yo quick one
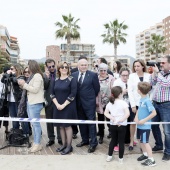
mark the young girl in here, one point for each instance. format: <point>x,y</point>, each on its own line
<point>118,115</point>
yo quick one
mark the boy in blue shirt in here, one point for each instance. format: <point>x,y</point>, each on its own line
<point>145,113</point>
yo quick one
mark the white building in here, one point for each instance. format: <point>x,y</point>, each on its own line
<point>9,45</point>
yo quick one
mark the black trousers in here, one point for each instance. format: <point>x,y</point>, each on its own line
<point>118,137</point>
<point>4,112</point>
<point>127,136</point>
<point>50,126</point>
<point>87,130</point>
<point>75,129</point>
<point>101,127</point>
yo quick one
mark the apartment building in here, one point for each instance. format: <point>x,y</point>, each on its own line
<point>163,29</point>
<point>9,45</point>
<point>53,52</point>
<point>166,23</point>
<point>78,49</point>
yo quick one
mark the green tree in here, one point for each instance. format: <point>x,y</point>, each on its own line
<point>156,45</point>
<point>3,61</point>
<point>68,30</point>
<point>42,67</point>
<point>114,34</point>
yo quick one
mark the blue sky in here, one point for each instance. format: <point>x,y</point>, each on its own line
<point>33,21</point>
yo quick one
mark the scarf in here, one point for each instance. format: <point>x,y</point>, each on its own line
<point>22,107</point>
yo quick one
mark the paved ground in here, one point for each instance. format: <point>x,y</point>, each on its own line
<point>75,162</point>
<point>48,159</point>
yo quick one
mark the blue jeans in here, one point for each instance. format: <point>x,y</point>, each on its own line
<point>163,115</point>
<point>13,110</point>
<point>34,112</point>
<point>13,113</point>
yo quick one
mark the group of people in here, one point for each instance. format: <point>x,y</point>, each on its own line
<point>122,96</point>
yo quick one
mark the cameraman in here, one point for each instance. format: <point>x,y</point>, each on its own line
<point>13,91</point>
<point>4,112</point>
<point>161,102</point>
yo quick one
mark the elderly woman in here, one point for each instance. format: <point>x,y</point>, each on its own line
<point>34,88</point>
<point>106,82</point>
<point>139,74</point>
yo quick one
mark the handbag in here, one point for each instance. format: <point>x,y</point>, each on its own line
<point>22,107</point>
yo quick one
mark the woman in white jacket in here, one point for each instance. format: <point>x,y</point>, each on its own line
<point>139,74</point>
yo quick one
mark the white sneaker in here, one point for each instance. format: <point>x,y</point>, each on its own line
<point>36,148</point>
<point>121,161</point>
<point>109,158</point>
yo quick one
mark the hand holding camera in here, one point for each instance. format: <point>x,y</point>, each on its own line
<point>21,82</point>
<point>155,69</point>
<point>155,66</point>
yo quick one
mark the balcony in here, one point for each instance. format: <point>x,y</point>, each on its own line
<point>153,57</point>
<point>4,34</point>
<point>147,35</point>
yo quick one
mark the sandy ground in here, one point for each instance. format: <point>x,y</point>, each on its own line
<point>75,162</point>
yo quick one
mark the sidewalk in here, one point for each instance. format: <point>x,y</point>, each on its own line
<point>75,162</point>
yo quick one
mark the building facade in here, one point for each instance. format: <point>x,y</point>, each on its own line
<point>163,29</point>
<point>53,52</point>
<point>76,50</point>
<point>166,23</point>
<point>9,45</point>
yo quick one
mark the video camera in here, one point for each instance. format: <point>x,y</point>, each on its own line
<point>152,63</point>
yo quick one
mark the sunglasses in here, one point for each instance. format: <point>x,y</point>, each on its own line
<point>51,66</point>
<point>62,67</point>
<point>26,72</point>
<point>125,75</point>
<point>103,70</point>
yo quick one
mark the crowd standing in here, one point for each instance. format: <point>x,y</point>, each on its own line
<point>120,96</point>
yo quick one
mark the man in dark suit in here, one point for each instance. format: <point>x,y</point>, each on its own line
<point>88,89</point>
<point>49,78</point>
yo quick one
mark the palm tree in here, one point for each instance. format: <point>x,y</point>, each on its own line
<point>68,30</point>
<point>156,45</point>
<point>114,34</point>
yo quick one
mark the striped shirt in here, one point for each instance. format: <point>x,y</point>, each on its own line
<point>161,83</point>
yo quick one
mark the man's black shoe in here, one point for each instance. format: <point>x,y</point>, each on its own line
<point>60,142</point>
<point>156,148</point>
<point>51,142</point>
<point>109,135</point>
<point>91,149</point>
<point>74,136</point>
<point>82,144</point>
<point>101,140</point>
<point>166,157</point>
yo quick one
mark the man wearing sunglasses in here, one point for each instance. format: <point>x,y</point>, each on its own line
<point>49,78</point>
<point>161,102</point>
